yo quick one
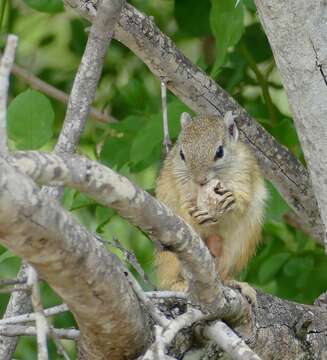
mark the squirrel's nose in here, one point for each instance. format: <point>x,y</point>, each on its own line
<point>202,180</point>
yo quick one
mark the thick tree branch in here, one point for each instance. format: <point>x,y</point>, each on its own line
<point>297,33</point>
<point>203,95</point>
<point>76,265</point>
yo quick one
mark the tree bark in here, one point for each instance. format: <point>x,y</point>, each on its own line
<point>76,265</point>
<point>297,33</point>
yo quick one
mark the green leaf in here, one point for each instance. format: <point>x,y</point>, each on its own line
<point>277,206</point>
<point>115,151</point>
<point>271,267</point>
<point>132,97</point>
<point>285,132</point>
<point>146,140</point>
<point>30,120</point>
<point>299,264</point>
<point>78,36</point>
<point>226,22</point>
<point>6,255</point>
<point>103,216</point>
<point>81,201</point>
<point>250,5</point>
<point>67,198</point>
<point>192,16</point>
<point>149,137</point>
<point>132,124</point>
<point>257,43</point>
<point>48,6</point>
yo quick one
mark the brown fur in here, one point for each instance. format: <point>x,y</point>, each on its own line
<point>179,182</point>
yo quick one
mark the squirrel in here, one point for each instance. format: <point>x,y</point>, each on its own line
<point>208,158</point>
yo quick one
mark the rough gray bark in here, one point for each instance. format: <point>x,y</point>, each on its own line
<point>297,33</point>
<point>78,267</point>
<point>280,330</point>
<point>203,95</point>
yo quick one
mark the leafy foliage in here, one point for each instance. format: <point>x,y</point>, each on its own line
<point>30,120</point>
<point>227,26</point>
<point>48,6</point>
<point>228,43</point>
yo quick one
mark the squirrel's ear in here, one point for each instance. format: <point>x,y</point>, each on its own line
<point>185,119</point>
<point>231,126</point>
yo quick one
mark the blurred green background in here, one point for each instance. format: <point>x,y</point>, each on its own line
<point>225,41</point>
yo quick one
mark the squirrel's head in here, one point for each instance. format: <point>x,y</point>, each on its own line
<point>205,146</point>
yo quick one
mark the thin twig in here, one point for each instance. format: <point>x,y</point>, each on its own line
<point>60,349</point>
<point>20,330</point>
<point>42,327</point>
<point>166,294</point>
<point>16,281</point>
<point>227,340</point>
<point>132,260</point>
<point>157,316</point>
<point>5,68</point>
<point>14,288</point>
<point>59,95</point>
<point>19,303</point>
<point>186,319</point>
<point>166,141</point>
<point>31,316</point>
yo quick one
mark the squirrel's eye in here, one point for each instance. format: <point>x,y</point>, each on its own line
<point>182,155</point>
<point>219,153</point>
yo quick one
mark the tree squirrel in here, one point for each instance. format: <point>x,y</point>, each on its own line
<point>212,180</point>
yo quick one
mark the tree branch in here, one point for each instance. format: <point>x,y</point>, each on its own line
<point>31,316</point>
<point>5,68</point>
<point>299,48</point>
<point>88,75</point>
<point>90,279</point>
<point>20,330</point>
<point>229,341</point>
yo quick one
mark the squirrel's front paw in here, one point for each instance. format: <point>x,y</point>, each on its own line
<point>226,200</point>
<point>216,199</point>
<point>201,216</point>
